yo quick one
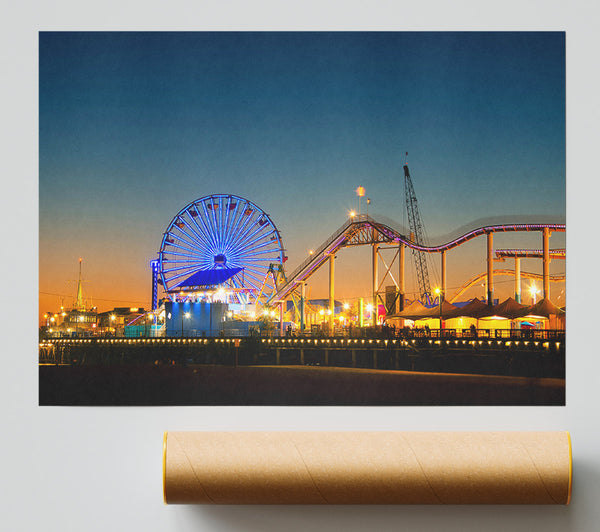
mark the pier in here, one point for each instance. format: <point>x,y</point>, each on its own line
<point>440,369</point>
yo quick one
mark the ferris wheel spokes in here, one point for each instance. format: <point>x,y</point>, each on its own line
<point>208,237</point>
<point>242,232</point>
<point>201,236</point>
<point>249,243</point>
<point>219,232</point>
<point>190,241</point>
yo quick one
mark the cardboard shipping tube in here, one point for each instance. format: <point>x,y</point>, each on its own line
<point>367,467</point>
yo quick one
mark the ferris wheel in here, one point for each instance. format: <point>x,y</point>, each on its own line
<point>223,240</point>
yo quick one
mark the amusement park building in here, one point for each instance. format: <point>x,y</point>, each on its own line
<point>72,322</point>
<point>114,321</point>
<point>81,320</point>
<point>199,318</point>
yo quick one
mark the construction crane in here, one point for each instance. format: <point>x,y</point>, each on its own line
<point>416,235</point>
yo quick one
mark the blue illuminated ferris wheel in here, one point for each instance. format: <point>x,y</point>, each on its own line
<point>219,240</point>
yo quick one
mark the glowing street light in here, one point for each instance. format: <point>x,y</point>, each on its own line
<point>221,295</point>
<point>534,292</point>
<point>360,192</point>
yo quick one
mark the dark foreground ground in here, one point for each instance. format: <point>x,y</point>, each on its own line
<point>285,385</point>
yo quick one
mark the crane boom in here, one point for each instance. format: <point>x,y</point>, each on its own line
<point>416,228</point>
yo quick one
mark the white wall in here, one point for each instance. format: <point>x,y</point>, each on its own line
<point>99,469</point>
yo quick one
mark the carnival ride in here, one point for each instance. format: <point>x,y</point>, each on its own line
<point>365,230</point>
<point>220,240</point>
<point>225,248</point>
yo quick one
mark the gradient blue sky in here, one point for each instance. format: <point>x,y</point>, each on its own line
<point>134,126</point>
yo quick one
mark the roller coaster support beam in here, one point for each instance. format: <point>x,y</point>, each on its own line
<point>443,292</point>
<point>361,312</point>
<point>281,328</point>
<point>518,279</point>
<point>331,293</point>
<point>546,259</point>
<point>302,298</point>
<point>401,285</point>
<point>490,268</point>
<point>375,283</point>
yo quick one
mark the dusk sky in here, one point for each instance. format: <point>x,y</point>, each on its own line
<point>134,126</point>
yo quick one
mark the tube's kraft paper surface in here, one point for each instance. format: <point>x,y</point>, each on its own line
<point>367,467</point>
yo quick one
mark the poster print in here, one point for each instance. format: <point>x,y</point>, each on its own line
<point>302,218</point>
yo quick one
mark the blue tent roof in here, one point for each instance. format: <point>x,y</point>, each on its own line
<point>208,277</point>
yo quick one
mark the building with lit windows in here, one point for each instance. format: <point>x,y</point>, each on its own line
<point>80,320</point>
<point>113,322</point>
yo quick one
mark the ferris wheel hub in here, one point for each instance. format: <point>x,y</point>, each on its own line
<point>220,260</point>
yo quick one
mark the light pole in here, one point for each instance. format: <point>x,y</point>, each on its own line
<point>440,299</point>
<point>187,315</point>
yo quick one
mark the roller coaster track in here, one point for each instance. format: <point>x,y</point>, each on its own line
<point>526,275</point>
<point>364,229</point>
